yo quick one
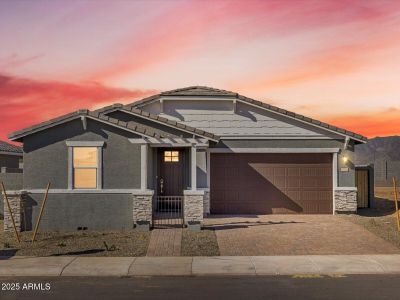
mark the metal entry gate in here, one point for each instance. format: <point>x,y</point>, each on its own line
<point>168,211</point>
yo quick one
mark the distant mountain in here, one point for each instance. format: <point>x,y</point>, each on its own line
<point>379,148</point>
<point>384,154</point>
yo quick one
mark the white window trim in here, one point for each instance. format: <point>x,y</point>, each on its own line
<point>99,174</point>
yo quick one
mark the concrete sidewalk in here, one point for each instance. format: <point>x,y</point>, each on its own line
<point>199,266</point>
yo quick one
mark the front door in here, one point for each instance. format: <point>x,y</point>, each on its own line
<point>168,206</point>
<point>170,180</point>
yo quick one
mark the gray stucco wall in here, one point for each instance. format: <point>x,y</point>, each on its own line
<point>9,161</point>
<point>201,168</point>
<point>346,170</point>
<point>46,155</point>
<point>151,167</point>
<point>70,211</point>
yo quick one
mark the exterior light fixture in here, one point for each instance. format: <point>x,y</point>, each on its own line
<point>345,159</point>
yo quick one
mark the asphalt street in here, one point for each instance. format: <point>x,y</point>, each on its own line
<point>297,287</point>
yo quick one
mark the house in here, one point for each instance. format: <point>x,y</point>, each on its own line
<point>10,158</point>
<point>195,151</point>
<point>10,168</point>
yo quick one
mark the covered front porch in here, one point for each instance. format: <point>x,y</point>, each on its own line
<point>174,185</point>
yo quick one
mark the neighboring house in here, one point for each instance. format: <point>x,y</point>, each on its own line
<point>208,150</point>
<point>10,168</point>
<point>10,158</point>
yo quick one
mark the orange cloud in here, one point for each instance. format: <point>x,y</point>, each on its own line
<point>193,27</point>
<point>383,123</point>
<point>24,102</point>
<point>327,63</point>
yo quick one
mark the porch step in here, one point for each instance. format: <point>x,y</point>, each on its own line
<point>165,242</point>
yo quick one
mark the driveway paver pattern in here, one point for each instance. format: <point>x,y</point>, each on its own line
<point>294,235</point>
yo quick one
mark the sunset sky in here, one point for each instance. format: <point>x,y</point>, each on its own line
<point>336,61</point>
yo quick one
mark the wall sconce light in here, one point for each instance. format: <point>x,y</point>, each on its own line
<point>345,159</point>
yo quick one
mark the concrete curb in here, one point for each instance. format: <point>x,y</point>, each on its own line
<point>200,266</point>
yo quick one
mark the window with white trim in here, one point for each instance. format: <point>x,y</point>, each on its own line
<point>85,167</point>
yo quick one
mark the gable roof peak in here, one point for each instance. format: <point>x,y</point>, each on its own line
<point>198,90</point>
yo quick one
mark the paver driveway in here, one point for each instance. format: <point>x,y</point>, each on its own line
<point>294,235</point>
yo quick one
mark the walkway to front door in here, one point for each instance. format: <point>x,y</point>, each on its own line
<point>165,242</point>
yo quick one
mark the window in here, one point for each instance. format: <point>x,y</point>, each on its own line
<point>84,167</point>
<point>171,156</point>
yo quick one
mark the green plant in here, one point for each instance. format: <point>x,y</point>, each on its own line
<point>61,244</point>
<point>7,245</point>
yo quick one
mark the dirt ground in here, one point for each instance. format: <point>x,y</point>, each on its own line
<point>384,199</point>
<point>82,243</point>
<point>381,220</point>
<point>383,226</point>
<point>101,243</point>
<point>203,243</point>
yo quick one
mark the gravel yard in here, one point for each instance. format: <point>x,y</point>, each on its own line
<point>82,243</point>
<point>199,243</point>
<point>383,226</point>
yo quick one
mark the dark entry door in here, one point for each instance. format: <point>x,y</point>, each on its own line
<point>362,188</point>
<point>170,181</point>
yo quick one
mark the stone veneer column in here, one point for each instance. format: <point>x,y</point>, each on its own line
<point>16,200</point>
<point>345,200</point>
<point>193,208</point>
<point>143,209</point>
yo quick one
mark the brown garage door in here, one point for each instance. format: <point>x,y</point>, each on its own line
<point>271,183</point>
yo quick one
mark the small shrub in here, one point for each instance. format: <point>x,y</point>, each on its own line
<point>7,245</point>
<point>61,244</point>
<point>110,248</point>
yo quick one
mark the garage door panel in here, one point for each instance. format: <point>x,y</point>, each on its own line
<point>271,183</point>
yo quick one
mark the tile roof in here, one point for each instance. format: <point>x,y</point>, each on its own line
<point>130,126</point>
<point>172,123</point>
<point>208,91</point>
<point>187,91</point>
<point>6,147</point>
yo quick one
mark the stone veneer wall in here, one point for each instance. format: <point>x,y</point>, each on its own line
<point>345,201</point>
<point>143,208</point>
<point>206,203</point>
<point>193,206</point>
<point>16,203</point>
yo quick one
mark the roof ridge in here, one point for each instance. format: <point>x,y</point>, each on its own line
<point>264,105</point>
